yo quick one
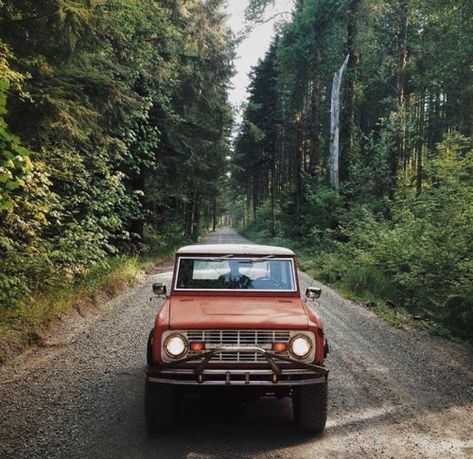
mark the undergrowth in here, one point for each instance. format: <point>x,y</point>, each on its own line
<point>24,324</point>
<point>365,284</point>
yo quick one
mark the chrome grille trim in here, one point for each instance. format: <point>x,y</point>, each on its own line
<point>240,338</point>
<point>219,338</point>
<point>261,338</point>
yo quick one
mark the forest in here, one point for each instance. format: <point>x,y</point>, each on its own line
<point>117,143</point>
<point>114,127</point>
<point>398,232</point>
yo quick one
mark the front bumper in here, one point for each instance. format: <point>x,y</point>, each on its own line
<point>281,371</point>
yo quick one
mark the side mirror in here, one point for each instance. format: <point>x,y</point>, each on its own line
<point>313,292</point>
<point>159,289</point>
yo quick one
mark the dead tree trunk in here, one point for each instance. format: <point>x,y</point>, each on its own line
<point>335,126</point>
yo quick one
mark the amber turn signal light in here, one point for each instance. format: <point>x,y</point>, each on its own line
<point>198,346</point>
<point>279,347</point>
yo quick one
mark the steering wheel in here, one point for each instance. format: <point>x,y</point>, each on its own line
<point>269,281</point>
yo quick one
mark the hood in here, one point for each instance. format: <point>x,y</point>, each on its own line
<point>202,312</point>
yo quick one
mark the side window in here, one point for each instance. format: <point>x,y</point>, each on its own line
<point>185,273</point>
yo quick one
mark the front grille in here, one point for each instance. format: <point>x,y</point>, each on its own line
<point>229,338</point>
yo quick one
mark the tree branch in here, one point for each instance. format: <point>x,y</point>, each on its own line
<point>274,16</point>
<point>30,18</point>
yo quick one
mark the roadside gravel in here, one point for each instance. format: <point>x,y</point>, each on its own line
<point>393,393</point>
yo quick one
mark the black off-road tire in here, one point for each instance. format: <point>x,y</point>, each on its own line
<point>160,407</point>
<point>149,351</point>
<point>310,407</point>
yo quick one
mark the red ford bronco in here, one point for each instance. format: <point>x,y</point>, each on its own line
<point>235,319</point>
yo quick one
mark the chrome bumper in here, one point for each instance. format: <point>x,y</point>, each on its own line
<point>282,371</point>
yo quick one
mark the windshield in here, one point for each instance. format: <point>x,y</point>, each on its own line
<point>264,274</point>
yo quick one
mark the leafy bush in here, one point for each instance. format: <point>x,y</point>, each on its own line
<point>416,253</point>
<point>425,249</point>
<point>25,199</point>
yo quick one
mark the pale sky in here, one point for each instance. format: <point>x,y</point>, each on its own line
<point>255,45</point>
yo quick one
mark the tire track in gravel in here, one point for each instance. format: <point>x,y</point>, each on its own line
<point>392,393</point>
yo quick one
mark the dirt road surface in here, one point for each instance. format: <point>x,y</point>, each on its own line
<point>393,393</point>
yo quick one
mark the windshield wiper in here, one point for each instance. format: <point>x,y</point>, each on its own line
<point>252,260</point>
<point>222,258</point>
<point>245,260</point>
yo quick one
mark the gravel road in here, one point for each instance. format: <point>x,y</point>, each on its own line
<point>393,393</point>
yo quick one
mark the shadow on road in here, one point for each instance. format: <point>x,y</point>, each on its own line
<point>207,426</point>
<point>211,425</point>
<point>214,426</point>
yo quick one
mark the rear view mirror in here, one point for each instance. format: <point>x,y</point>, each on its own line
<point>159,289</point>
<point>313,292</point>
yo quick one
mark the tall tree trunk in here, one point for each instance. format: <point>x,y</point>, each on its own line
<point>285,171</point>
<point>214,214</point>
<point>398,152</point>
<point>254,188</point>
<point>249,204</point>
<point>335,126</point>
<point>189,223</point>
<point>315,119</point>
<point>255,197</point>
<point>420,143</point>
<point>272,193</point>
<point>433,120</point>
<point>348,125</point>
<point>278,162</point>
<point>298,164</point>
<point>196,214</point>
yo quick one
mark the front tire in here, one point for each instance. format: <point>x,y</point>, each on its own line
<point>160,407</point>
<point>149,349</point>
<point>310,407</point>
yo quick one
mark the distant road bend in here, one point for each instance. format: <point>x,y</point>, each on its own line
<point>393,393</point>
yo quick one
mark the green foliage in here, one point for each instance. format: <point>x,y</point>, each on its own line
<point>25,324</point>
<point>421,257</point>
<point>256,9</point>
<point>400,227</point>
<point>25,200</point>
<point>113,117</point>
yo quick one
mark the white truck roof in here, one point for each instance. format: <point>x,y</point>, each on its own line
<point>234,249</point>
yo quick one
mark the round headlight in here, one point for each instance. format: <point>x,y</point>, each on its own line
<point>300,346</point>
<point>175,346</point>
